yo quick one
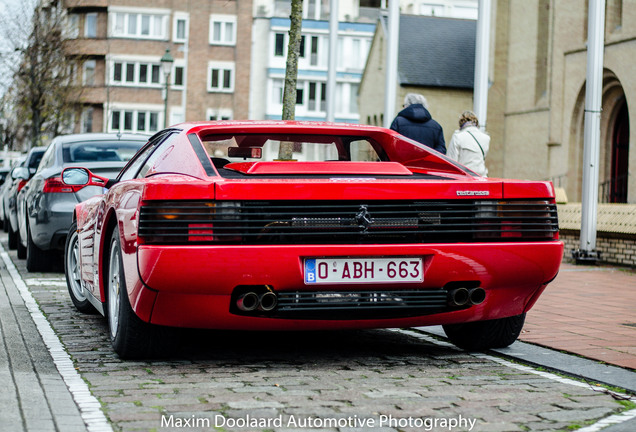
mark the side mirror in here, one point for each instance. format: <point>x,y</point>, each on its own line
<point>74,176</point>
<point>21,173</point>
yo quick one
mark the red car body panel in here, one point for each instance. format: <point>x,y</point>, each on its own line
<point>212,274</point>
<point>191,285</point>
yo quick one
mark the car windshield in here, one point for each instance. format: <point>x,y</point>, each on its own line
<point>102,151</point>
<point>257,147</point>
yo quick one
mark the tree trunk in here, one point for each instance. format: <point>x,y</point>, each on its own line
<point>285,152</point>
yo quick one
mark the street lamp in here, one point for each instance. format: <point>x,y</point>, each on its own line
<point>166,67</point>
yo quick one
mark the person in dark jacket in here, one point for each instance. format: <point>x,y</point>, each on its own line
<point>415,122</point>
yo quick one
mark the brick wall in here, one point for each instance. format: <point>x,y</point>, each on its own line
<point>619,250</point>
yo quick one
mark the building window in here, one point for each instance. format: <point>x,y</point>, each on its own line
<point>180,28</point>
<point>143,73</point>
<point>141,121</point>
<point>278,86</point>
<point>222,29</point>
<point>117,72</point>
<point>177,75</point>
<point>317,97</point>
<point>279,44</point>
<point>316,9</point>
<point>139,25</point>
<point>219,114</point>
<point>301,50</point>
<point>133,120</point>
<point>353,98</point>
<point>313,58</point>
<point>88,75</point>
<point>129,73</point>
<point>221,77</point>
<point>299,96</point>
<point>90,25</point>
<point>72,26</point>
<point>87,120</point>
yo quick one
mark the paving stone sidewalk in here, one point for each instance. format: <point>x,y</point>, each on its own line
<point>589,311</point>
<point>33,396</point>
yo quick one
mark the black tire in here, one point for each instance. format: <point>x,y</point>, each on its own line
<point>131,337</point>
<point>21,249</point>
<point>13,238</point>
<point>37,260</point>
<point>484,335</point>
<point>72,272</point>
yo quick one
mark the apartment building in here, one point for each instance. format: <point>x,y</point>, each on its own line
<point>121,43</point>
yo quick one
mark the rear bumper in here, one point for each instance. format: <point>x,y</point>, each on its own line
<point>191,286</point>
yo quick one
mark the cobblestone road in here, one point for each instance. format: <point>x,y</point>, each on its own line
<point>347,381</point>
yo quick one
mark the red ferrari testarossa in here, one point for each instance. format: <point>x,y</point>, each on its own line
<point>206,227</point>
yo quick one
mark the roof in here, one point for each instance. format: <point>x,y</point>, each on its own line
<point>436,51</point>
<point>98,136</point>
<point>611,218</point>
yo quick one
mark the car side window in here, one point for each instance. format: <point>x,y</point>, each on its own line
<point>160,152</point>
<point>130,171</point>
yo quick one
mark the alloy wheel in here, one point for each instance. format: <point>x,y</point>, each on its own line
<point>113,289</point>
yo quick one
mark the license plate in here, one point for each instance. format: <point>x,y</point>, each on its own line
<point>363,270</point>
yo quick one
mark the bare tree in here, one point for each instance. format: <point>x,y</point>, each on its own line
<point>44,90</point>
<point>286,149</point>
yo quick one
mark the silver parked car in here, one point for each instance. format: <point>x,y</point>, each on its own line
<point>45,204</point>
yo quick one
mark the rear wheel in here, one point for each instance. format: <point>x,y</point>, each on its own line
<point>13,238</point>
<point>131,337</point>
<point>72,271</point>
<point>21,249</point>
<point>37,260</point>
<point>483,335</point>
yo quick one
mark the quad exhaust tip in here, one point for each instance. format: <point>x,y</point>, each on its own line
<point>247,302</point>
<point>267,301</point>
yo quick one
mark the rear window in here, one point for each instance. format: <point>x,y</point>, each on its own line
<point>256,147</point>
<point>102,151</point>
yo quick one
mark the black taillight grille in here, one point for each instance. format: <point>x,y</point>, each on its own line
<point>346,222</point>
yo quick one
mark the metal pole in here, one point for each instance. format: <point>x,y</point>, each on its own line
<point>390,84</point>
<point>333,57</point>
<point>592,132</point>
<point>165,104</point>
<point>184,92</point>
<point>482,54</point>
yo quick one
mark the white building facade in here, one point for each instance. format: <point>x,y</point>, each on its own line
<point>270,40</point>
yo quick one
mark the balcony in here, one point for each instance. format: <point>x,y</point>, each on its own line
<point>92,95</point>
<point>85,4</point>
<point>86,47</point>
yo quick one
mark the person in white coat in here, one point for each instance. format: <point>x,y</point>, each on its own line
<point>469,145</point>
